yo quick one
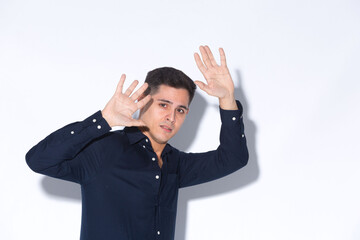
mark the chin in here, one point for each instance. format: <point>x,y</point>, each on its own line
<point>163,140</point>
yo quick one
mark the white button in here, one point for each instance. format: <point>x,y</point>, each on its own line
<point>72,132</point>
<point>243,135</point>
<point>94,120</point>
<point>234,118</point>
<point>146,140</point>
<point>99,126</point>
<point>153,159</point>
<point>157,177</point>
<point>158,232</point>
<point>143,146</point>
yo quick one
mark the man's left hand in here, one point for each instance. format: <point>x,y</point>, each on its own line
<point>218,78</point>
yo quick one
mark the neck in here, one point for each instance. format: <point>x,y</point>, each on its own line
<point>157,147</point>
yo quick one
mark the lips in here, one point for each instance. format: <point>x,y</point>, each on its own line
<point>166,128</point>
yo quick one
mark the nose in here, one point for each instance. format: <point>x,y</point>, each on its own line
<point>171,116</point>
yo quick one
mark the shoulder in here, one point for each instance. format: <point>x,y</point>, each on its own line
<point>112,140</point>
<point>117,136</point>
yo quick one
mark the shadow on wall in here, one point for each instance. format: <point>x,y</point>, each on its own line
<point>61,189</point>
<point>232,182</point>
<point>182,141</point>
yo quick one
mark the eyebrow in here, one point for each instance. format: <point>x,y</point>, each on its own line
<point>167,101</point>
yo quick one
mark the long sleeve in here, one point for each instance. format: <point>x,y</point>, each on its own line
<point>231,155</point>
<point>72,152</point>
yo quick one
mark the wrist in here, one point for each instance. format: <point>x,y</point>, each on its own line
<point>107,118</point>
<point>228,103</point>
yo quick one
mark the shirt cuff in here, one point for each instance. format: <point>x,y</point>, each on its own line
<point>230,116</point>
<point>96,124</point>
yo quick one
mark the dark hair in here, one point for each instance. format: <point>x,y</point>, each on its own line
<point>171,77</point>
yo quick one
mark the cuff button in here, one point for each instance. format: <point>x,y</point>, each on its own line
<point>234,118</point>
<point>72,132</point>
<point>94,120</point>
<point>98,126</point>
<point>243,135</point>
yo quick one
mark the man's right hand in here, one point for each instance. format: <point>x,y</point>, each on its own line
<point>119,110</point>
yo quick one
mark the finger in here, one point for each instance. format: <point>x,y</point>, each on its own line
<point>205,57</point>
<point>131,88</point>
<point>211,56</point>
<point>138,92</point>
<point>140,104</point>
<point>120,85</point>
<point>202,86</point>
<point>199,63</point>
<point>222,57</point>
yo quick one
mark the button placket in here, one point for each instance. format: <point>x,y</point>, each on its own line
<point>157,174</point>
<point>157,204</point>
<point>144,146</point>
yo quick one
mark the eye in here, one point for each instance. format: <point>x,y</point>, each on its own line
<point>180,110</point>
<point>162,105</point>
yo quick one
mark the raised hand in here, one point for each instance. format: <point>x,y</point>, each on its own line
<point>218,78</point>
<point>119,110</point>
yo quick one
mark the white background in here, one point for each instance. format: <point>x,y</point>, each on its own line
<point>296,69</point>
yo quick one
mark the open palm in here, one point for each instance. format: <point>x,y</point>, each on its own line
<point>119,110</point>
<point>218,78</point>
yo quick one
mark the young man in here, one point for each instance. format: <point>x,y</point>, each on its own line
<point>130,178</point>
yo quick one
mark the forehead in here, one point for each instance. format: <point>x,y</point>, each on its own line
<point>179,96</point>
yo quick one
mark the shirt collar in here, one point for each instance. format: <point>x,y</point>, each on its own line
<point>135,135</point>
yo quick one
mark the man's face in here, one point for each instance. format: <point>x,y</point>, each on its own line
<point>165,113</point>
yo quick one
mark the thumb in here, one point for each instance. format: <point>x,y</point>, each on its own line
<point>202,86</point>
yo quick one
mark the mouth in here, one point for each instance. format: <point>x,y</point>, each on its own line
<point>166,128</point>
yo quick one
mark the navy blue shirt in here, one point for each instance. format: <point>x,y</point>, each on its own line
<point>125,194</point>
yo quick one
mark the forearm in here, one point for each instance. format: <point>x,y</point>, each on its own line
<point>49,156</point>
<point>231,155</point>
<point>233,144</point>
